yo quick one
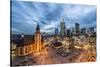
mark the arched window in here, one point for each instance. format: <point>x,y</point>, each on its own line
<point>30,49</point>
<point>20,51</point>
<point>25,50</point>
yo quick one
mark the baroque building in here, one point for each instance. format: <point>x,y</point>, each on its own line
<point>28,44</point>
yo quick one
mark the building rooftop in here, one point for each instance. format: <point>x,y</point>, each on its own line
<point>26,40</point>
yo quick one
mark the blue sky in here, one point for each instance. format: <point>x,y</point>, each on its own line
<point>26,15</point>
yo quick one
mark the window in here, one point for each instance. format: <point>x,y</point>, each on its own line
<point>30,48</point>
<point>20,51</point>
<point>25,50</point>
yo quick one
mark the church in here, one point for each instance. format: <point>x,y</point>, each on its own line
<point>28,44</point>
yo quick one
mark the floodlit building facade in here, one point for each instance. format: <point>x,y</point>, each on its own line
<point>36,45</point>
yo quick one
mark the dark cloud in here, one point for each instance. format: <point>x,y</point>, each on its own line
<point>26,15</point>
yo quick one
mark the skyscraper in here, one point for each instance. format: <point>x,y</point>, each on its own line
<point>38,39</point>
<point>91,30</point>
<point>68,32</point>
<point>56,31</point>
<point>72,31</point>
<point>62,28</point>
<point>77,28</point>
<point>83,31</point>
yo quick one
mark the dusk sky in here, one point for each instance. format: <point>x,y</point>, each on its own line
<point>26,15</point>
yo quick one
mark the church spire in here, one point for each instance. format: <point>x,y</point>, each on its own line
<point>38,28</point>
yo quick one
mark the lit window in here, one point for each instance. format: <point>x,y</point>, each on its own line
<point>20,51</point>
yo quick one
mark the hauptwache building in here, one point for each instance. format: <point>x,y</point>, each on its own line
<point>28,44</point>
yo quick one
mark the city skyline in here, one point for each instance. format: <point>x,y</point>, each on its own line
<point>52,33</point>
<point>26,15</point>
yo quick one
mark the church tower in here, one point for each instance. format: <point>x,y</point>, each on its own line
<point>38,39</point>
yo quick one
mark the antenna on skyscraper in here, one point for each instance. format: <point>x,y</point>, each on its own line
<point>62,20</point>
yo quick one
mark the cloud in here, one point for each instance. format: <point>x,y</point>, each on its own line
<point>26,15</point>
<point>50,27</point>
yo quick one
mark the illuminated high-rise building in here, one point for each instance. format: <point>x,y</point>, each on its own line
<point>91,30</point>
<point>77,28</point>
<point>83,31</point>
<point>56,31</point>
<point>68,32</point>
<point>62,28</point>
